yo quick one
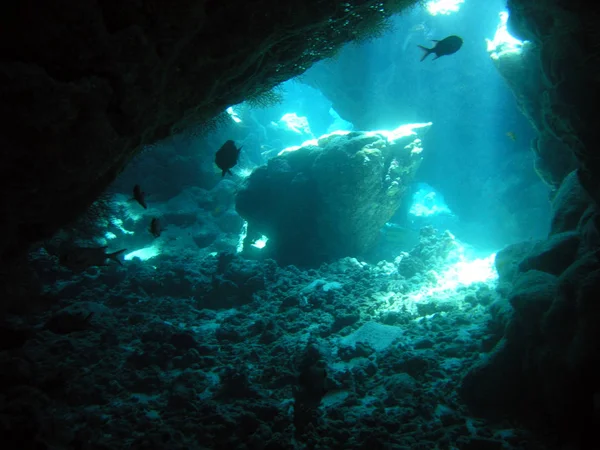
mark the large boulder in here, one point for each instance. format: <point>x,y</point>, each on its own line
<point>330,198</point>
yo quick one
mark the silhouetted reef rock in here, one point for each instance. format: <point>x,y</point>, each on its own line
<point>545,367</point>
<point>521,71</point>
<point>328,199</point>
<point>553,91</point>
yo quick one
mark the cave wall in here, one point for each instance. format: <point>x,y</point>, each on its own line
<point>567,36</point>
<point>545,366</point>
<point>553,159</point>
<point>86,84</point>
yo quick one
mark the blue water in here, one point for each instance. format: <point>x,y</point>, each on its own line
<point>477,153</point>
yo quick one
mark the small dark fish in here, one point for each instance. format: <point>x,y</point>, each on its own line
<point>446,46</point>
<point>227,157</point>
<point>155,227</point>
<point>139,196</point>
<point>79,259</point>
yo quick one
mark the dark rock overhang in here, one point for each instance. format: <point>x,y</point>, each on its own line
<point>86,84</point>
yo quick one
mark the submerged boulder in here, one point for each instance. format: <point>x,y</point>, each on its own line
<point>329,198</point>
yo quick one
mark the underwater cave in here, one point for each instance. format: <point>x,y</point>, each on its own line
<point>313,224</point>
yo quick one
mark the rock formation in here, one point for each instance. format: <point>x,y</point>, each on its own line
<point>547,359</point>
<point>544,369</point>
<point>329,199</point>
<point>567,60</point>
<point>519,64</point>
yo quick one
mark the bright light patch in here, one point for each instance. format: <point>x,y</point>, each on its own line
<point>400,132</point>
<point>427,202</point>
<point>503,43</point>
<point>333,133</point>
<point>295,123</point>
<point>391,136</point>
<point>468,272</point>
<point>313,142</point>
<point>234,115</point>
<point>293,148</point>
<point>118,223</point>
<point>444,7</point>
<point>240,245</point>
<point>144,254</point>
<point>109,236</point>
<point>244,173</point>
<point>260,243</point>
<point>462,273</point>
<point>338,124</point>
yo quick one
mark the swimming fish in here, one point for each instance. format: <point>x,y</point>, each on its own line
<point>155,227</point>
<point>227,157</point>
<point>511,135</point>
<point>446,46</point>
<point>139,196</point>
<point>79,259</point>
